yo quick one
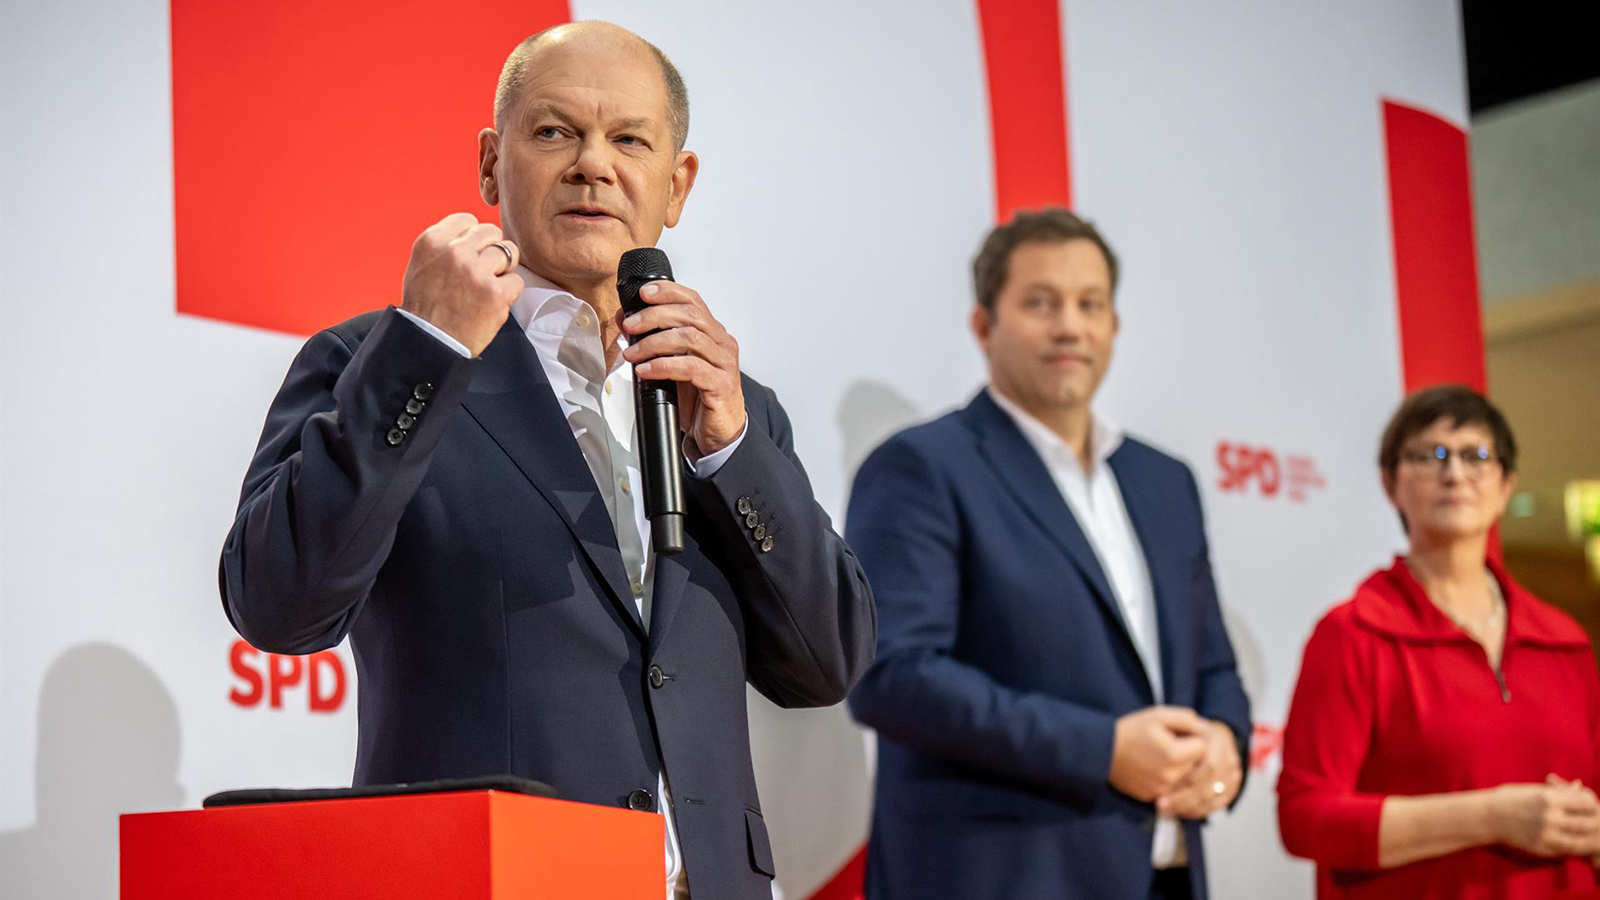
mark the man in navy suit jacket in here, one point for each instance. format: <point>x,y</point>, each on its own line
<point>1055,697</point>
<point>453,488</point>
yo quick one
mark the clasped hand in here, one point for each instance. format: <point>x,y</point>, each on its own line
<point>1176,759</point>
<point>1557,818</point>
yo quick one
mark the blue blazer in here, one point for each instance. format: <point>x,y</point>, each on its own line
<point>1003,664</point>
<point>473,564</point>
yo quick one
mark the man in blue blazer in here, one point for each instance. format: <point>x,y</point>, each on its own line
<point>1055,697</point>
<point>453,484</point>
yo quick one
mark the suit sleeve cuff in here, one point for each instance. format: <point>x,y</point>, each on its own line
<point>708,465</point>
<point>436,331</point>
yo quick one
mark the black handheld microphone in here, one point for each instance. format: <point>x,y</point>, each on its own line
<point>655,406</point>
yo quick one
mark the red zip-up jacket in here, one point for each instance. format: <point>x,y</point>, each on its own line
<point>1393,698</point>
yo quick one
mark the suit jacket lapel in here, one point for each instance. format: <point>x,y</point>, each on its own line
<point>511,398</point>
<point>670,576</point>
<point>1146,513</point>
<point>1023,473</point>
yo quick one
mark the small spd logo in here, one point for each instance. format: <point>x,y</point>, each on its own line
<point>1252,469</point>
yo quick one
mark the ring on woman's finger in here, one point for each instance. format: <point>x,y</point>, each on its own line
<point>1218,787</point>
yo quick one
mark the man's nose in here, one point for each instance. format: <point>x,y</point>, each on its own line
<point>594,163</point>
<point>1067,324</point>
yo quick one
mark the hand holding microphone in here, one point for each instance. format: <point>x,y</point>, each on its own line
<point>674,338</point>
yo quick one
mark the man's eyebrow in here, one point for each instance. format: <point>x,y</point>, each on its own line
<point>1054,289</point>
<point>544,108</point>
<point>537,109</point>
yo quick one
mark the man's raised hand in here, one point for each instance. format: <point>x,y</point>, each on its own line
<point>460,279</point>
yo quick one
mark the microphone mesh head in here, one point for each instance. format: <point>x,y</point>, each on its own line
<point>643,264</point>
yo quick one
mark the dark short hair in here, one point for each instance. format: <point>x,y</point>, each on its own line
<point>515,71</point>
<point>1453,403</point>
<point>1051,225</point>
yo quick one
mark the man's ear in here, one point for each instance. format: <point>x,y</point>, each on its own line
<point>488,157</point>
<point>684,169</point>
<point>982,321</point>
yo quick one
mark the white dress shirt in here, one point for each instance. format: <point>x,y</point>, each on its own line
<point>1096,502</point>
<point>598,404</point>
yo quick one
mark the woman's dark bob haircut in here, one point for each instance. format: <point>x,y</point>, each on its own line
<point>1453,403</point>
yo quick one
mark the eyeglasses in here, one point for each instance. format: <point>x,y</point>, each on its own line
<point>1475,460</point>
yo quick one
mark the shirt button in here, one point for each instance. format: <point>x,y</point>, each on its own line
<point>638,589</point>
<point>583,320</point>
<point>608,385</point>
<point>641,800</point>
<point>625,486</point>
<point>657,677</point>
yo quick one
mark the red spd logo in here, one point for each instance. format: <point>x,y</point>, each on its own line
<point>1243,465</point>
<point>320,678</point>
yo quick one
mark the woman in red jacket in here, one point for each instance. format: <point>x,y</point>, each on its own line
<point>1443,734</point>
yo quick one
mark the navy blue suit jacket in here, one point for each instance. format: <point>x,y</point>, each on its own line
<point>475,569</point>
<point>1003,664</point>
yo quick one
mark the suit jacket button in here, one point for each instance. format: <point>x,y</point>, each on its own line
<point>641,800</point>
<point>759,532</point>
<point>750,519</point>
<point>404,421</point>
<point>395,436</point>
<point>744,506</point>
<point>657,677</point>
<point>766,544</point>
<point>422,391</point>
<point>415,406</point>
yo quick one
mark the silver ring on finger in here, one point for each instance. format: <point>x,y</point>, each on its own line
<point>1218,787</point>
<point>511,257</point>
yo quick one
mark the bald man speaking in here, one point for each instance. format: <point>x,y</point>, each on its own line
<point>455,484</point>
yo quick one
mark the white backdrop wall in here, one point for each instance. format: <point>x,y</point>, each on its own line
<point>1233,152</point>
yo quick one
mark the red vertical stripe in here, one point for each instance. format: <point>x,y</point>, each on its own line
<point>1027,103</point>
<point>1435,256</point>
<point>1435,260</point>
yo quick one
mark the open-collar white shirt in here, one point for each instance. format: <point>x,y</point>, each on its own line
<point>1095,499</point>
<point>598,405</point>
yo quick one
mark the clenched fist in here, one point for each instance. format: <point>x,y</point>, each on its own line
<point>460,279</point>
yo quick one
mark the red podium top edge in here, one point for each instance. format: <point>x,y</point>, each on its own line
<point>479,844</point>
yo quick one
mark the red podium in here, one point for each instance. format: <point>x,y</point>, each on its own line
<point>478,845</point>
